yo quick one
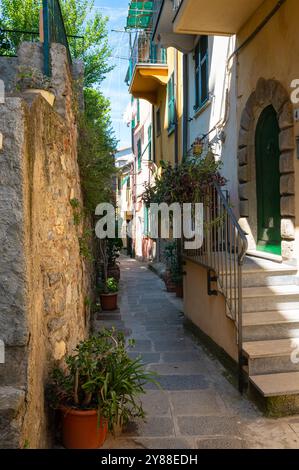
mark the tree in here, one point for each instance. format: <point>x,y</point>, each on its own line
<point>80,18</point>
<point>96,150</point>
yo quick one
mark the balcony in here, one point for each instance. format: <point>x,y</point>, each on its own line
<point>163,34</point>
<point>213,17</point>
<point>148,68</point>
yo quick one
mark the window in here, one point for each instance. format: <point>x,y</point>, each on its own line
<point>133,120</point>
<point>171,104</point>
<point>146,221</point>
<point>201,72</point>
<point>139,154</point>
<point>158,123</point>
<point>149,132</point>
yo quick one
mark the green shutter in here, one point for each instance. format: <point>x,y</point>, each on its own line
<point>201,72</point>
<point>139,154</point>
<point>171,103</point>
<point>146,225</point>
<point>150,142</point>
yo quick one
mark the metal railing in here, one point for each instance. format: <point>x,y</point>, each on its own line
<point>144,51</point>
<point>223,252</point>
<point>11,38</point>
<point>54,31</point>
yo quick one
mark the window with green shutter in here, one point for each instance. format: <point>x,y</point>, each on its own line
<point>201,72</point>
<point>133,120</point>
<point>139,154</point>
<point>146,221</point>
<point>171,104</point>
<point>150,157</point>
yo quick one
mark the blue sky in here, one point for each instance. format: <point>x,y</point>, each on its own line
<point>114,86</point>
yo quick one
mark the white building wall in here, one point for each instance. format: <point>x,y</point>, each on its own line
<point>218,117</point>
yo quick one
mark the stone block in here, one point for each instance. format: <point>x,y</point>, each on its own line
<point>244,191</point>
<point>220,443</point>
<point>243,174</point>
<point>243,156</point>
<point>181,382</point>
<point>197,403</point>
<point>244,208</point>
<point>208,425</point>
<point>246,120</point>
<point>279,95</point>
<point>286,140</point>
<point>286,163</point>
<point>154,426</point>
<point>262,92</point>
<point>243,138</point>
<point>288,229</point>
<point>287,206</point>
<point>12,407</point>
<point>286,119</point>
<point>287,249</point>
<point>287,184</point>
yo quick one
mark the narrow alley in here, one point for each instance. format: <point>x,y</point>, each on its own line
<point>197,407</point>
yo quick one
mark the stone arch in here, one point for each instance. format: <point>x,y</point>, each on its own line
<point>267,92</point>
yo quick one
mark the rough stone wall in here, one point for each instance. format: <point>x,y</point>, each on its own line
<point>44,281</point>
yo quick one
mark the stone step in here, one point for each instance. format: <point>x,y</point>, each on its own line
<point>272,356</point>
<point>271,325</point>
<point>261,299</point>
<point>274,385</point>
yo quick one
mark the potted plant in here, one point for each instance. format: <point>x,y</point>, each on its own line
<point>109,294</point>
<point>98,390</point>
<point>177,278</point>
<point>114,246</point>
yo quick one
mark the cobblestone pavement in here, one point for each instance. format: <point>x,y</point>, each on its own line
<point>198,407</point>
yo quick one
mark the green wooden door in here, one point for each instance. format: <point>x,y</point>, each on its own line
<point>268,182</point>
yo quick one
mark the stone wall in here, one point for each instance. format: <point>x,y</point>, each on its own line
<point>44,281</point>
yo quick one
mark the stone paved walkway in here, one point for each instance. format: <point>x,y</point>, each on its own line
<point>198,408</point>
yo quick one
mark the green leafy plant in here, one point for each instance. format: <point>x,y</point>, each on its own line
<point>85,245</point>
<point>184,183</point>
<point>110,286</point>
<point>101,375</point>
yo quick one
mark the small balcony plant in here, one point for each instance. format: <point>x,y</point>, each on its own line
<point>98,390</point>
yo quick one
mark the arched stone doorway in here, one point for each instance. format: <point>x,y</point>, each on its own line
<point>268,93</point>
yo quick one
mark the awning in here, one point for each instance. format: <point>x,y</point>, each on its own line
<point>140,14</point>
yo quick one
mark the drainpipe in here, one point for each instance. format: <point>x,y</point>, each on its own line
<point>186,105</point>
<point>176,132</point>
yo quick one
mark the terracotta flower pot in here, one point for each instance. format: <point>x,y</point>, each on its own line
<point>82,429</point>
<point>179,291</point>
<point>109,301</point>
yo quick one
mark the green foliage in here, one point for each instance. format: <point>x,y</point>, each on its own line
<point>184,183</point>
<point>112,285</point>
<point>85,245</point>
<point>96,149</point>
<point>100,375</point>
<point>114,246</point>
<point>80,18</point>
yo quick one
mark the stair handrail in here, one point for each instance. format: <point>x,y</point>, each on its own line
<point>222,253</point>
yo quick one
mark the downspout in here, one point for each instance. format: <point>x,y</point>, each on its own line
<point>176,132</point>
<point>186,105</point>
<point>154,133</point>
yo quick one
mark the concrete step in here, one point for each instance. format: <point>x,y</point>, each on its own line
<point>272,356</point>
<point>271,325</point>
<point>273,385</point>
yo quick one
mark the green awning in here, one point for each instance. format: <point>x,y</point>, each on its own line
<point>140,14</point>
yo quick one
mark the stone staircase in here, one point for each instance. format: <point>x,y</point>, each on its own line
<point>271,327</point>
